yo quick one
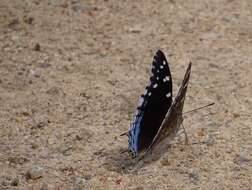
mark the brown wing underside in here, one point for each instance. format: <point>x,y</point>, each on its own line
<point>173,118</point>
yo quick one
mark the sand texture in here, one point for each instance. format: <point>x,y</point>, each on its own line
<point>71,74</point>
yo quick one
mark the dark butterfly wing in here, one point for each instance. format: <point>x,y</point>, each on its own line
<point>153,106</point>
<point>173,118</point>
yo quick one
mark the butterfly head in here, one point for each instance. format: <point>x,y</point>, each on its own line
<point>132,152</point>
<point>132,149</point>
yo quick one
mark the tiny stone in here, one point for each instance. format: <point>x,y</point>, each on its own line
<point>34,146</point>
<point>53,91</point>
<point>210,141</point>
<point>87,177</point>
<point>78,137</point>
<point>134,29</point>
<point>80,183</point>
<point>236,115</point>
<point>165,162</point>
<point>241,159</point>
<point>34,173</point>
<point>44,186</point>
<point>194,176</point>
<point>15,182</point>
<point>28,20</point>
<point>26,113</point>
<point>41,124</point>
<point>37,47</point>
<point>45,65</point>
<point>13,22</point>
<point>4,183</point>
<point>138,188</point>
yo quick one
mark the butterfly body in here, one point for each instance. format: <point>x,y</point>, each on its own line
<point>157,116</point>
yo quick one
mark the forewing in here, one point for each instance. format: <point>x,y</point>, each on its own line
<point>153,105</point>
<point>173,118</point>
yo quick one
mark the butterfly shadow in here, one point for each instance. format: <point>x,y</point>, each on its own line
<point>123,163</point>
<point>118,162</point>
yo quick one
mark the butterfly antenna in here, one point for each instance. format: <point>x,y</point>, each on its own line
<point>198,108</point>
<point>125,133</point>
<point>122,152</point>
<point>186,137</point>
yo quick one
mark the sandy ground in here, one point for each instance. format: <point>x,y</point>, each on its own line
<point>71,73</point>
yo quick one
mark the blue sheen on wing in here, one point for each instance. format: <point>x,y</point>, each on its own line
<point>135,135</point>
<point>152,107</point>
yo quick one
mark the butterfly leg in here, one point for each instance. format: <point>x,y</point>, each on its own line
<point>186,138</point>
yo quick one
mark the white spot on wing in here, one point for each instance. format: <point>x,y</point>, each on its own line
<point>168,95</point>
<point>161,66</point>
<point>145,92</point>
<point>157,78</point>
<point>155,85</point>
<point>140,101</point>
<point>164,79</point>
<point>164,63</point>
<point>167,78</point>
<point>149,94</point>
<point>157,71</point>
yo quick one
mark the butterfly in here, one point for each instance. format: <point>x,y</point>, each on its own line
<point>157,116</point>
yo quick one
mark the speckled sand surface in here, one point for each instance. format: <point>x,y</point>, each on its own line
<point>71,73</point>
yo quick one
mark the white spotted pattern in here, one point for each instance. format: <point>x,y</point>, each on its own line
<point>164,63</point>
<point>149,94</point>
<point>167,78</point>
<point>157,78</point>
<point>161,66</point>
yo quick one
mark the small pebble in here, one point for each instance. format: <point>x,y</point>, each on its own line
<point>165,162</point>
<point>138,188</point>
<point>80,183</point>
<point>135,29</point>
<point>44,186</point>
<point>194,176</point>
<point>15,182</point>
<point>29,20</point>
<point>241,159</point>
<point>35,172</point>
<point>53,90</point>
<point>37,47</point>
<point>13,23</point>
<point>41,124</point>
